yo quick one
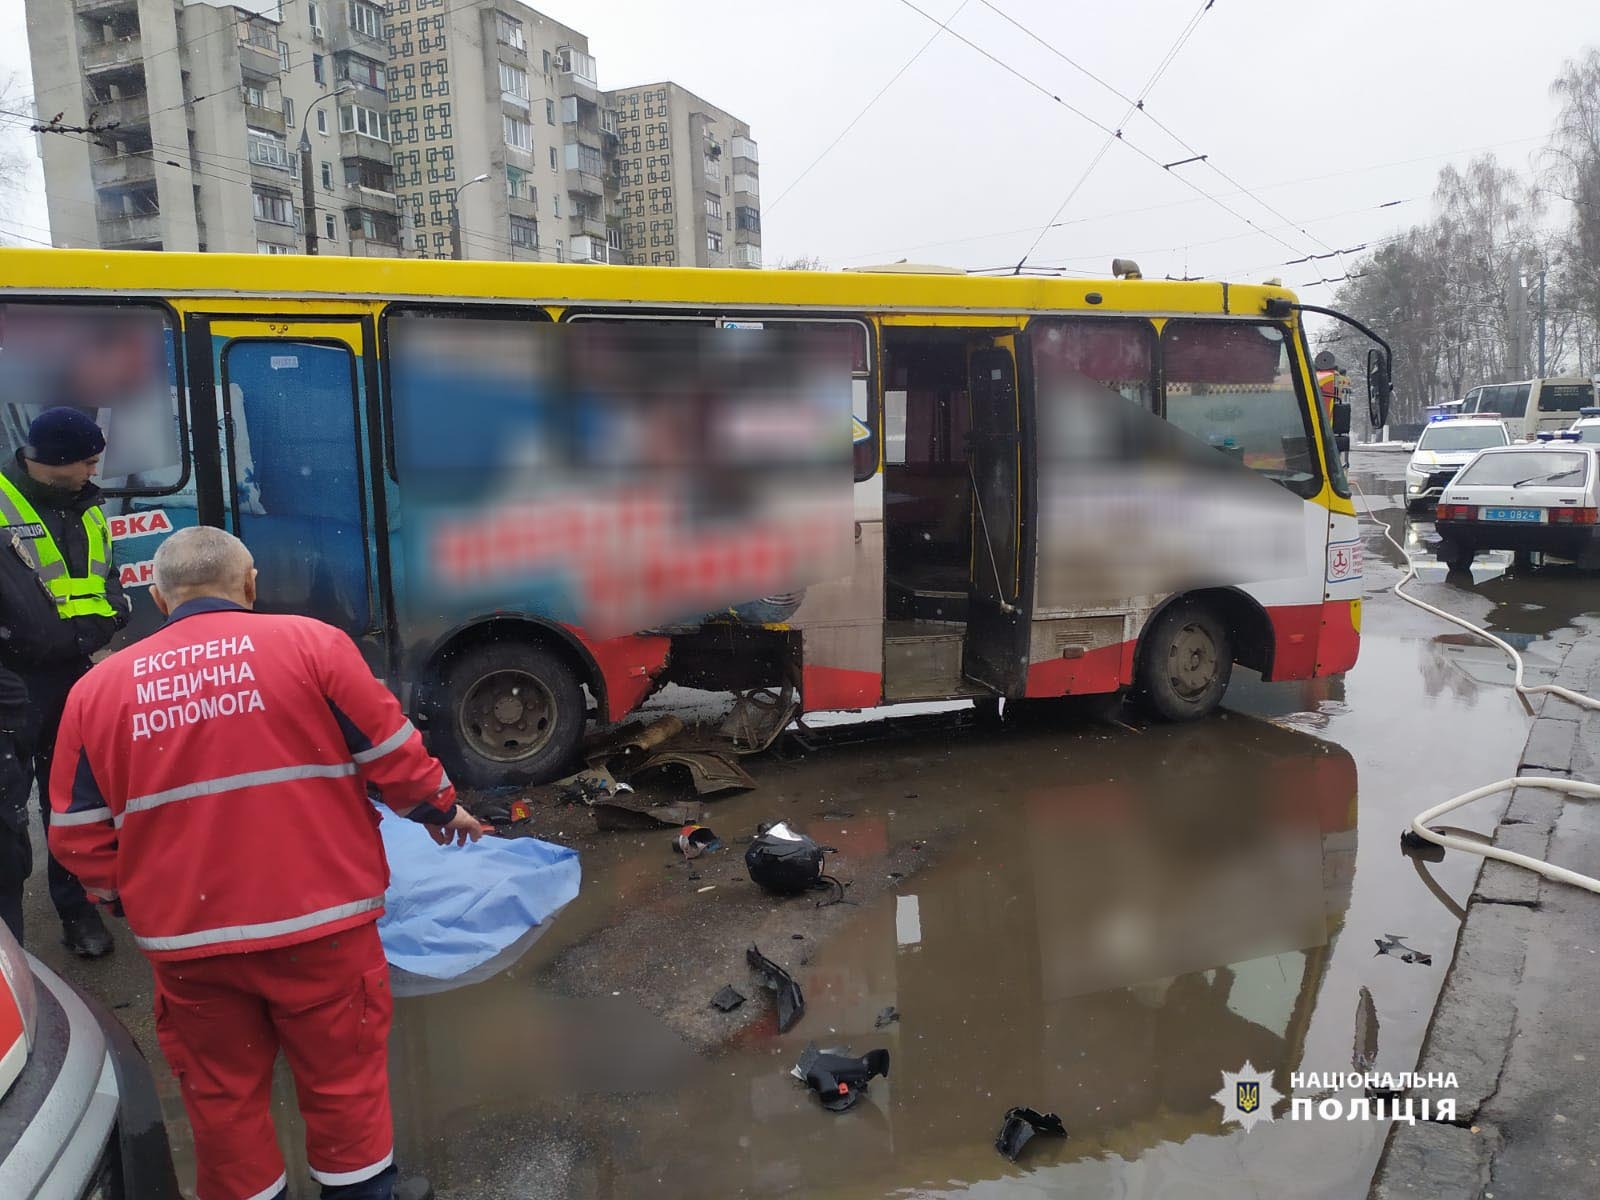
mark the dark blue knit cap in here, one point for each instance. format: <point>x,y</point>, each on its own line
<point>59,436</point>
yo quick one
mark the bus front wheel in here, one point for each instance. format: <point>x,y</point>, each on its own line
<point>511,713</point>
<point>1185,664</point>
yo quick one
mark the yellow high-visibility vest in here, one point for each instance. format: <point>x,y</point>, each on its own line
<point>75,595</point>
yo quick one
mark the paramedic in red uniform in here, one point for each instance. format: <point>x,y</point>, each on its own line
<point>213,780</point>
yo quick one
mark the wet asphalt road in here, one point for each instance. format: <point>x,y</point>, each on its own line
<point>1085,918</point>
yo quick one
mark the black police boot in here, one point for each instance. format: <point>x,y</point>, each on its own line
<point>86,935</point>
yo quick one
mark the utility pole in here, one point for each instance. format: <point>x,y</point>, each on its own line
<point>308,204</point>
<point>455,215</point>
<point>1542,272</point>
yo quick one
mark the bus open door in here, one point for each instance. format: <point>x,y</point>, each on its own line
<point>999,458</point>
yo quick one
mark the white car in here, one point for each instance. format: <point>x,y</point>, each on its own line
<point>1586,428</point>
<point>79,1114</point>
<point>1534,500</point>
<point>1447,444</point>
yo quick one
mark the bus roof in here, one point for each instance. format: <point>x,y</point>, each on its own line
<point>167,273</point>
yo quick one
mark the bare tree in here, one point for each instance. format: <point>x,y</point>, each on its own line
<point>802,262</point>
<point>13,156</point>
<point>1572,171</point>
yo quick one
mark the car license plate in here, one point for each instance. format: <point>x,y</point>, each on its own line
<point>1525,515</point>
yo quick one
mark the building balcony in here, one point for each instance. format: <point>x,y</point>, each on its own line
<point>270,119</point>
<point>131,112</point>
<point>125,229</point>
<point>259,61</point>
<point>582,183</point>
<point>103,8</point>
<point>569,83</point>
<point>124,170</point>
<point>107,56</point>
<point>589,250</point>
<point>587,224</point>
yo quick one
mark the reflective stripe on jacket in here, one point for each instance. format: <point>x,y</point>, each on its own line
<point>217,774</point>
<point>75,595</point>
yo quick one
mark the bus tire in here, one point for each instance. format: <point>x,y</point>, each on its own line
<point>510,712</point>
<point>1185,663</point>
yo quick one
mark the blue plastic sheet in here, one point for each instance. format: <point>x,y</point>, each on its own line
<point>458,914</point>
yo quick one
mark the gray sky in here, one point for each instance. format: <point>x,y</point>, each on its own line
<point>1322,111</point>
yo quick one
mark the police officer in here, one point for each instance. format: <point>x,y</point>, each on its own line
<point>67,606</point>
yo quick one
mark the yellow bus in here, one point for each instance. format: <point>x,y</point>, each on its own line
<point>483,472</point>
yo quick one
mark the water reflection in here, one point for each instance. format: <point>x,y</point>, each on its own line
<point>1105,932</point>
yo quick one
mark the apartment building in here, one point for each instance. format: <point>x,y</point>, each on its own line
<point>497,115</point>
<point>199,111</point>
<point>689,180</point>
<point>433,128</point>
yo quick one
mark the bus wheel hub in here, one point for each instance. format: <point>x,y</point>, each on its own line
<point>507,715</point>
<point>1193,660</point>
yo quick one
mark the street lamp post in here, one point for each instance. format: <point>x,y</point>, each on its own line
<point>455,215</point>
<point>307,195</point>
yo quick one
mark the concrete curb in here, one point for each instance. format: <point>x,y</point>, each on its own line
<point>1476,1022</point>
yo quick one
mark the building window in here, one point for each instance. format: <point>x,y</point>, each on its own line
<point>547,62</point>
<point>272,248</point>
<point>553,166</point>
<point>747,184</point>
<point>517,183</point>
<point>579,65</point>
<point>366,18</point>
<point>584,158</point>
<point>275,207</point>
<point>329,224</point>
<point>313,16</point>
<point>549,112</point>
<point>560,251</point>
<point>268,149</point>
<point>509,32</point>
<point>513,83</point>
<point>519,133</point>
<point>614,237</point>
<point>364,71</point>
<point>714,207</point>
<point>318,70</point>
<point>569,110</point>
<point>748,218</point>
<point>747,256</point>
<point>327,176</point>
<point>260,37</point>
<point>374,226</point>
<point>743,147</point>
<point>254,96</point>
<point>283,56</point>
<point>365,121</point>
<point>524,233</point>
<point>322,122</point>
<point>365,173</point>
<point>714,242</point>
<point>288,112</point>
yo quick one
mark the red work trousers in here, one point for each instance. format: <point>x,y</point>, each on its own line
<point>221,1022</point>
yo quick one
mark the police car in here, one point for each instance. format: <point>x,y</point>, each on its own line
<point>1585,429</point>
<point>1532,499</point>
<point>1447,444</point>
<point>79,1115</point>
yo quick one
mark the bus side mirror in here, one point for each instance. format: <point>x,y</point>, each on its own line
<point>1341,417</point>
<point>1341,442</point>
<point>1380,389</point>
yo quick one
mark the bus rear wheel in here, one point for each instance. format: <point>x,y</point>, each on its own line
<point>510,713</point>
<point>1185,663</point>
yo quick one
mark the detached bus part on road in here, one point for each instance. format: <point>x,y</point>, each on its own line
<point>522,488</point>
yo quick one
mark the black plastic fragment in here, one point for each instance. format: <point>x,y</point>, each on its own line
<point>1416,846</point>
<point>838,1078</point>
<point>728,999</point>
<point>1021,1126</point>
<point>791,1003</point>
<point>1391,945</point>
<point>888,1016</point>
